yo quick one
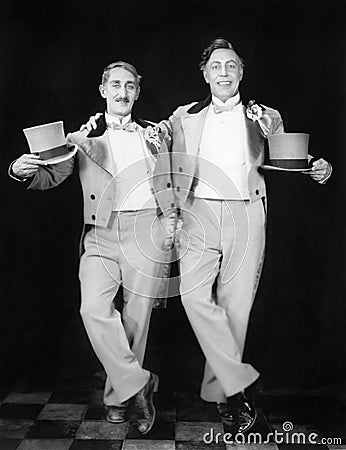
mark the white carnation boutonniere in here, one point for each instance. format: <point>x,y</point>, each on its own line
<point>152,135</point>
<point>257,113</point>
<point>254,111</point>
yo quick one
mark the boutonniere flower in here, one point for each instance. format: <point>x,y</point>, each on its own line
<point>254,111</point>
<point>152,135</point>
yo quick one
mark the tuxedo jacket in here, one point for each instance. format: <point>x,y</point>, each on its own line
<point>94,162</point>
<point>186,126</point>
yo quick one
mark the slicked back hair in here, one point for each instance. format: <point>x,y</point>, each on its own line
<point>124,65</point>
<point>215,45</point>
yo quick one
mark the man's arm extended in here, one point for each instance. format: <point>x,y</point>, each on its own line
<point>38,174</point>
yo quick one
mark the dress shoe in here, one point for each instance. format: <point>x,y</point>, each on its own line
<point>116,414</point>
<point>249,415</point>
<point>236,415</point>
<point>226,414</point>
<point>143,406</point>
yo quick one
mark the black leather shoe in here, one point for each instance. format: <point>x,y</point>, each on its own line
<point>143,406</point>
<point>116,414</point>
<point>226,414</point>
<point>236,415</point>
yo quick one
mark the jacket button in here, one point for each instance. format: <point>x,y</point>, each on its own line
<point>168,185</point>
<point>92,196</point>
<point>256,191</point>
<point>93,217</point>
<point>180,169</point>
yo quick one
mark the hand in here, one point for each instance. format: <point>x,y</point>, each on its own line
<point>27,165</point>
<point>92,123</point>
<point>320,170</point>
<point>168,224</point>
<point>178,232</point>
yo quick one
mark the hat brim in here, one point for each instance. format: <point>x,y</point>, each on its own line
<point>281,169</point>
<point>62,158</point>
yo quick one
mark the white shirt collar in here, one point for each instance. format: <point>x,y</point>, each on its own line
<point>114,119</point>
<point>232,101</point>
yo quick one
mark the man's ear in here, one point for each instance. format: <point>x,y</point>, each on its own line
<point>138,92</point>
<point>102,91</point>
<point>205,76</point>
<point>241,74</point>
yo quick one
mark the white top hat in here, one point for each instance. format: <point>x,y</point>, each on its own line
<point>49,142</point>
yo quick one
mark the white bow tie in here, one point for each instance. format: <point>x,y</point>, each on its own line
<point>129,126</point>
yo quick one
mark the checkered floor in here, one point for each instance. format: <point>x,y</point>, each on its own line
<point>73,418</point>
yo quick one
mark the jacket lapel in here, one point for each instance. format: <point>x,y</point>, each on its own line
<point>144,124</point>
<point>141,122</point>
<point>98,150</point>
<point>255,138</point>
<point>97,147</point>
<point>192,124</point>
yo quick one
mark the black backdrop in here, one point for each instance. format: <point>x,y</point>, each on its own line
<point>52,54</point>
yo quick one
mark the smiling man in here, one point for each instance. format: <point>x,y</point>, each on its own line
<point>217,151</point>
<point>223,72</point>
<point>124,240</point>
<point>121,89</point>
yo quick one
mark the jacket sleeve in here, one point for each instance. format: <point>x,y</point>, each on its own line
<point>277,124</point>
<point>168,124</point>
<point>51,176</point>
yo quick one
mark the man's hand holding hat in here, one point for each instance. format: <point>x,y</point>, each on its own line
<point>320,171</point>
<point>27,165</point>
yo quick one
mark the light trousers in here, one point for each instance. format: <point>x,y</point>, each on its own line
<point>128,252</point>
<point>221,256</point>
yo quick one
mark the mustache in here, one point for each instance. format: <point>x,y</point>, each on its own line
<point>123,99</point>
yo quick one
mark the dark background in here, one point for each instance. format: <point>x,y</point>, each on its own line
<point>52,54</point>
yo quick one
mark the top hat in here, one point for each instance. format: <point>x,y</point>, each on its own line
<point>49,142</point>
<point>288,152</point>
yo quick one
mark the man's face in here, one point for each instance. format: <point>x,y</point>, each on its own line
<point>120,91</point>
<point>223,72</point>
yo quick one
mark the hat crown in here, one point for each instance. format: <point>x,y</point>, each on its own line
<point>289,150</point>
<point>288,146</point>
<point>45,137</point>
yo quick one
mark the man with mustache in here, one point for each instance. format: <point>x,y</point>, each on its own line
<point>125,238</point>
<point>217,150</point>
